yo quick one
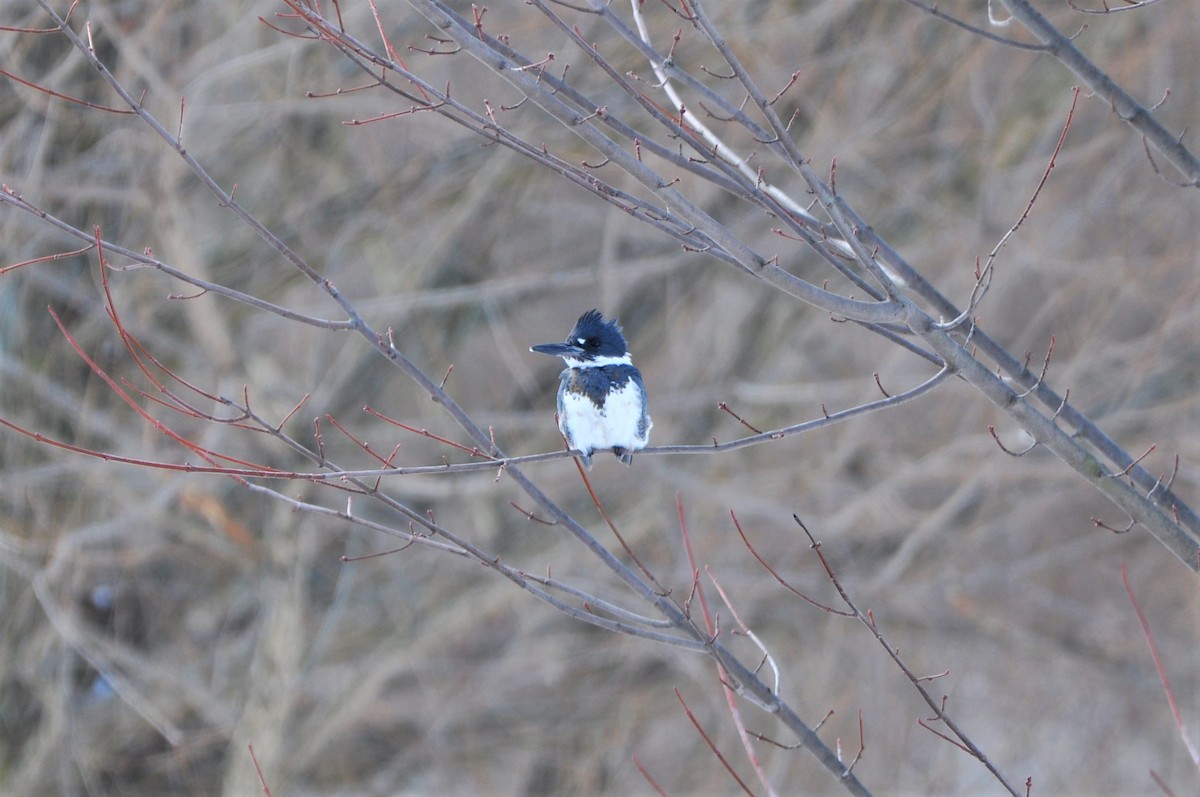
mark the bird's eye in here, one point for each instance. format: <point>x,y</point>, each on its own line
<point>592,343</point>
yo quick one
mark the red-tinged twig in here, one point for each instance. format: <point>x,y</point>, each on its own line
<point>828,419</point>
<point>1164,481</point>
<point>383,117</point>
<point>362,444</point>
<point>1062,405</point>
<point>637,762</point>
<point>1156,656</point>
<point>935,676</point>
<point>960,739</point>
<point>1130,5</point>
<point>289,33</point>
<point>59,95</point>
<point>1132,465</point>
<point>1045,368</point>
<point>46,259</point>
<point>791,82</point>
<point>477,13</point>
<point>530,516</point>
<point>55,29</point>
<point>862,744</point>
<point>474,451</point>
<point>782,233</point>
<point>38,437</point>
<point>764,738</point>
<point>212,457</point>
<point>730,76</point>
<point>593,603</point>
<point>638,626</point>
<point>145,257</point>
<point>337,6</point>
<point>390,462</point>
<point>261,778</point>
<point>1162,784</point>
<point>723,407</point>
<point>711,625</point>
<point>925,724</point>
<point>984,280</point>
<point>351,559</point>
<point>683,12</point>
<point>175,403</point>
<point>745,629</point>
<point>389,49</point>
<point>319,439</point>
<point>412,48</point>
<point>1100,524</point>
<point>303,400</point>
<point>775,574</point>
<point>731,693</point>
<point>541,65</point>
<point>340,92</point>
<point>711,745</point>
<point>1062,139</point>
<point>1006,449</point>
<point>238,474</point>
<point>616,532</point>
<point>1172,181</point>
<point>697,587</point>
<point>250,470</point>
<point>140,354</point>
<point>387,44</point>
<point>110,308</point>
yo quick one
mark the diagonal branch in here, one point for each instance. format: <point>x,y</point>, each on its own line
<point>1129,110</point>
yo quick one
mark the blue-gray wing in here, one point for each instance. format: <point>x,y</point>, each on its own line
<point>618,375</point>
<point>563,383</point>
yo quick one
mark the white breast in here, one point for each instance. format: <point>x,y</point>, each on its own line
<point>613,426</point>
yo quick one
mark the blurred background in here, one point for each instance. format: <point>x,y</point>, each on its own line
<point>154,624</point>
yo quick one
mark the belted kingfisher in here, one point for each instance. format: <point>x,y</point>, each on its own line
<point>601,398</point>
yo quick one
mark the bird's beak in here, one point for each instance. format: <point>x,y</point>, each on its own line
<point>557,349</point>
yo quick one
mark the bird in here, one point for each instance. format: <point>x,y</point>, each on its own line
<point>601,396</point>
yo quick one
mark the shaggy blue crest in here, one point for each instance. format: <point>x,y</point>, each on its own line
<point>601,397</point>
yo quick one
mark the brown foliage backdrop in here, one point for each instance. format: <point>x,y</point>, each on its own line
<point>153,624</point>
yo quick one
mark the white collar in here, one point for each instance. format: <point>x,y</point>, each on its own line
<point>599,362</point>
